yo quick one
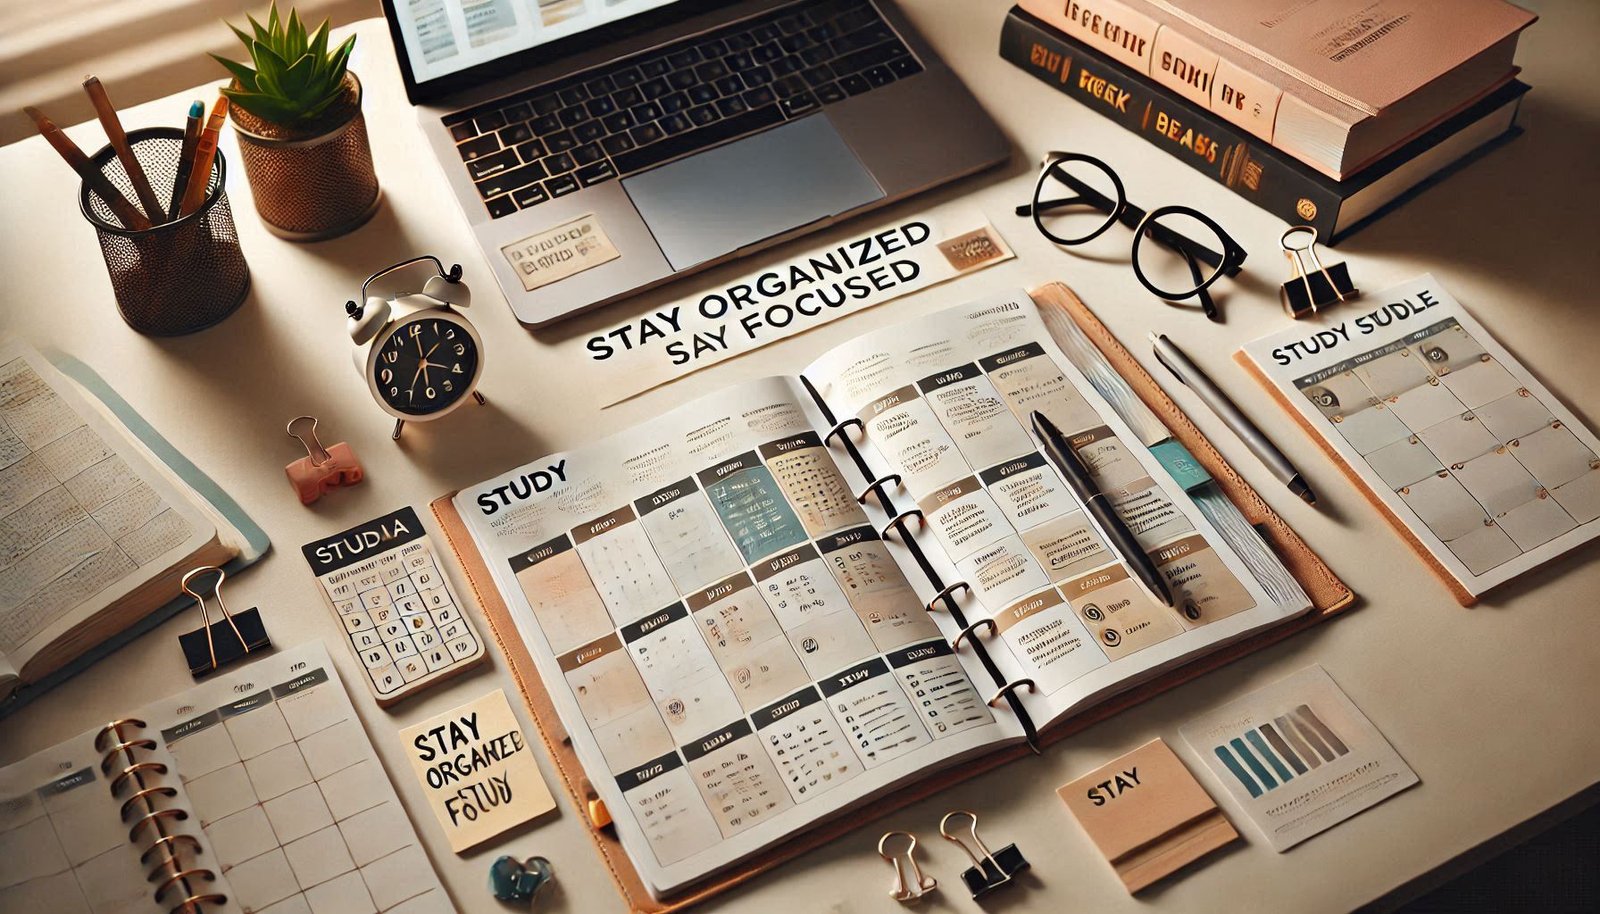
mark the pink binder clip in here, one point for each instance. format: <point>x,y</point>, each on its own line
<point>322,469</point>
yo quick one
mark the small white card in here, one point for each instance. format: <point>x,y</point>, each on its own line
<point>477,770</point>
<point>1298,756</point>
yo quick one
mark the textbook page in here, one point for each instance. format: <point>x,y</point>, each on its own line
<point>85,519</point>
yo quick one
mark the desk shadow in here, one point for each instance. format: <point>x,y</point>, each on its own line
<point>1501,598</point>
<point>442,448</point>
<point>1506,207</point>
<point>378,243</point>
<point>253,364</point>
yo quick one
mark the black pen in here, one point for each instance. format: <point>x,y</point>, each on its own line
<point>1095,502</point>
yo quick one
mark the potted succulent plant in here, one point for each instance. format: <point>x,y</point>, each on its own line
<point>302,137</point>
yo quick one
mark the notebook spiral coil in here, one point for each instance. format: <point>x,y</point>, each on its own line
<point>147,821</point>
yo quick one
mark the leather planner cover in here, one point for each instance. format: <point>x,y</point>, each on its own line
<point>1328,594</point>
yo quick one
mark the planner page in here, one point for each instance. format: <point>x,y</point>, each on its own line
<point>1483,466</point>
<point>64,846</point>
<point>266,767</point>
<point>945,402</point>
<point>733,649</point>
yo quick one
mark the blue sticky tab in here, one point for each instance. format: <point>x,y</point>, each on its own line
<point>1181,464</point>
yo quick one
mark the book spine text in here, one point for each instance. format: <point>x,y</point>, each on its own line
<point>1186,131</point>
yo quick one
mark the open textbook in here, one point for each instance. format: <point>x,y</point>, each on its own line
<point>740,645</point>
<point>95,531</point>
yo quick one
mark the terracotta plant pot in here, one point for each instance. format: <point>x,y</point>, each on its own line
<point>315,180</point>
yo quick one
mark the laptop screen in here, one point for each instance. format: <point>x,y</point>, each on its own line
<point>445,37</point>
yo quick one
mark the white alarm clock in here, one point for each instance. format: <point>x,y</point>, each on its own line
<point>418,354</point>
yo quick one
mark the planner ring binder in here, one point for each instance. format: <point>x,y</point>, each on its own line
<point>898,523</point>
<point>943,592</point>
<point>164,854</point>
<point>947,594</point>
<point>1329,595</point>
<point>841,426</point>
<point>1009,689</point>
<point>970,632</point>
<point>877,485</point>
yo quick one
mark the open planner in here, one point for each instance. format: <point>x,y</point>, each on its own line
<point>773,605</point>
<point>255,791</point>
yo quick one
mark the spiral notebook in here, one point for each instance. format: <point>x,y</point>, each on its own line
<point>255,791</point>
<point>744,620</point>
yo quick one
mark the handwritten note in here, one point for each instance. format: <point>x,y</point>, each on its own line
<point>477,771</point>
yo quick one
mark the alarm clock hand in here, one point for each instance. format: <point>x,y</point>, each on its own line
<point>412,390</point>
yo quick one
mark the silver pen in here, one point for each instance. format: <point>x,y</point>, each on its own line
<point>1190,376</point>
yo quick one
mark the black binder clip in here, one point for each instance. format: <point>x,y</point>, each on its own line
<point>227,640</point>
<point>1309,291</point>
<point>991,870</point>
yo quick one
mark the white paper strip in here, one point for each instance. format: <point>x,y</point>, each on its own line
<point>790,297</point>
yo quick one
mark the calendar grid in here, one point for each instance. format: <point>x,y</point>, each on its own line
<point>289,799</point>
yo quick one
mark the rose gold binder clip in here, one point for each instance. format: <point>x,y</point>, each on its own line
<point>322,469</point>
<point>1309,291</point>
<point>910,884</point>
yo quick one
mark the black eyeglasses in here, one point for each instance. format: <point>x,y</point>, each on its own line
<point>1078,197</point>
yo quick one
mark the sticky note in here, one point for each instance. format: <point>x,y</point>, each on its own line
<point>477,771</point>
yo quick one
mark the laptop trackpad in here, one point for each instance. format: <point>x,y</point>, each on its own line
<point>717,201</point>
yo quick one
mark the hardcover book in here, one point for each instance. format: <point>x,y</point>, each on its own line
<point>1337,84</point>
<point>97,529</point>
<point>1251,168</point>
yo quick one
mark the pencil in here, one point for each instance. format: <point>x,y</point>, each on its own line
<point>126,212</point>
<point>191,140</point>
<point>205,154</point>
<point>119,142</point>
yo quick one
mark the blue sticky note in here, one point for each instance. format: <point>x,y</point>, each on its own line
<point>1177,460</point>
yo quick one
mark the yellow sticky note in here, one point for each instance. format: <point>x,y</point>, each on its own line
<point>477,770</point>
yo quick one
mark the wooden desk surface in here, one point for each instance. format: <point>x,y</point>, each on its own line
<point>1489,705</point>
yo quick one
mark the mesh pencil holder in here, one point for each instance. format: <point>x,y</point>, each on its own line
<point>176,277</point>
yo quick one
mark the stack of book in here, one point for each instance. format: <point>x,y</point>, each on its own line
<point>1323,113</point>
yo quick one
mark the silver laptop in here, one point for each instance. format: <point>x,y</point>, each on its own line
<point>601,147</point>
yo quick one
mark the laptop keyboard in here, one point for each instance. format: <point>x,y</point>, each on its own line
<point>639,111</point>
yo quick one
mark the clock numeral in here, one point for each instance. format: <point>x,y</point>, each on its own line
<point>415,329</point>
<point>386,376</point>
<point>429,393</point>
<point>391,357</point>
<point>456,369</point>
<point>460,349</point>
<point>447,385</point>
<point>394,391</point>
<point>450,334</point>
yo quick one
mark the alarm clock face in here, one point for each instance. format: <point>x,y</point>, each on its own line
<point>423,365</point>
